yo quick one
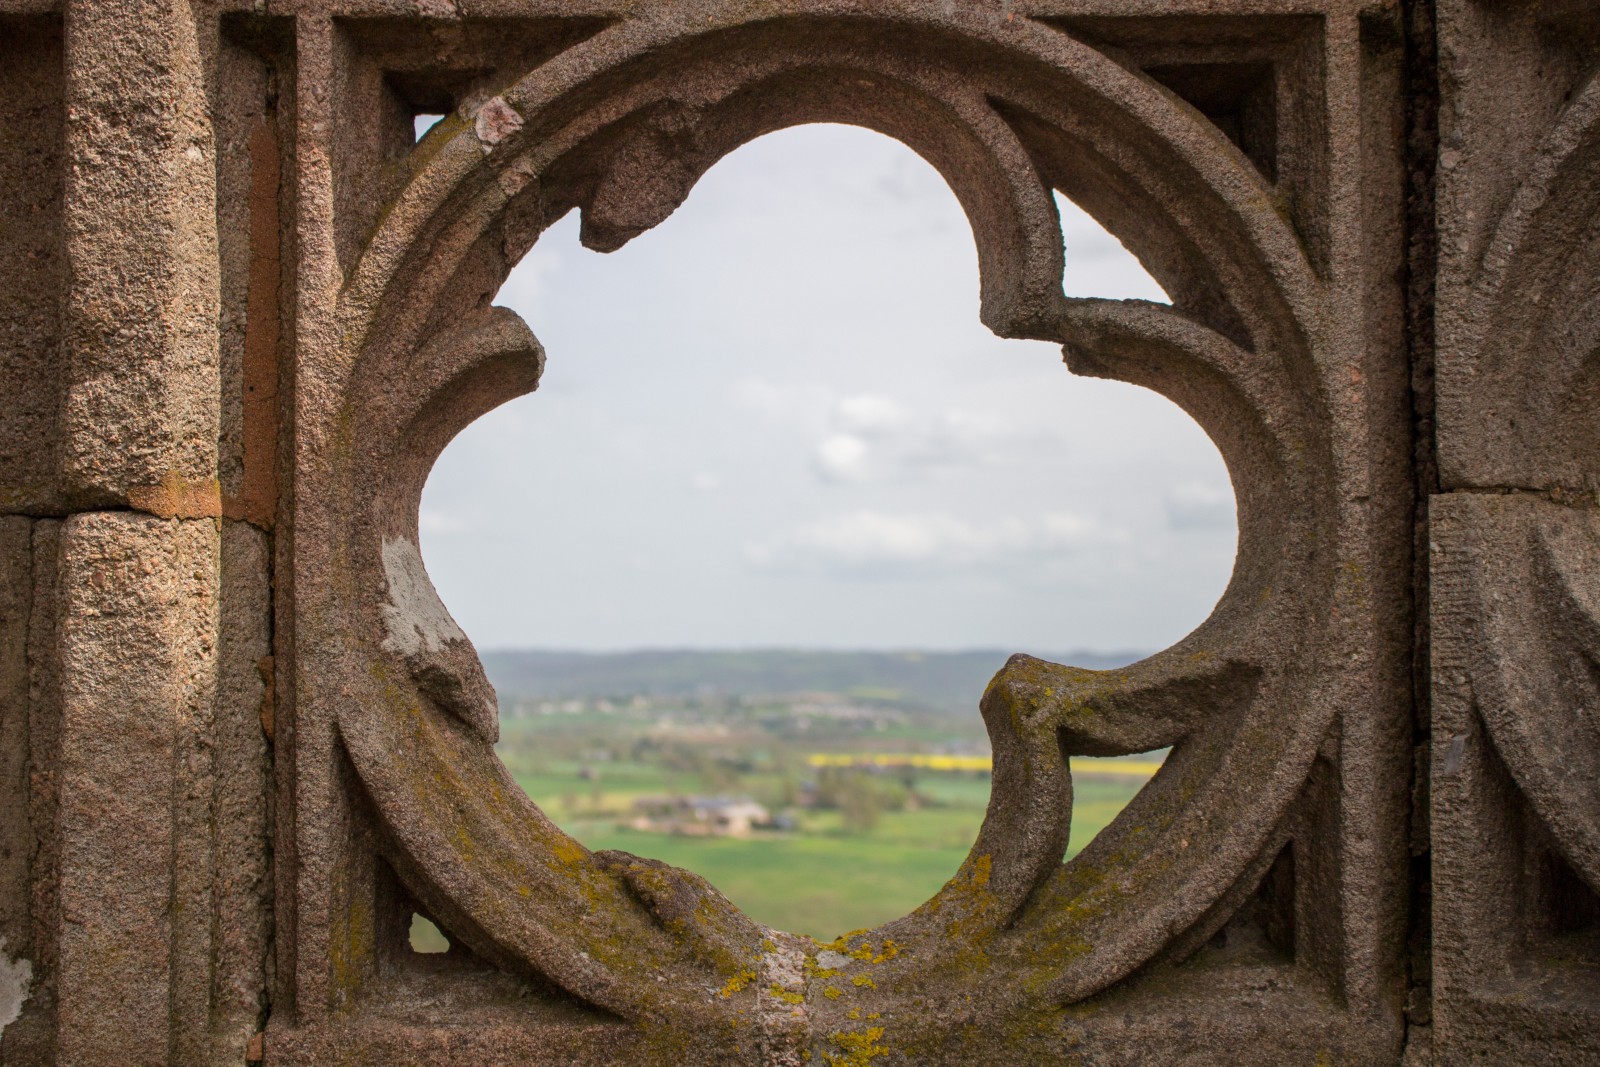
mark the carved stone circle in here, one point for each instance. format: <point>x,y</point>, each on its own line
<point>242,741</point>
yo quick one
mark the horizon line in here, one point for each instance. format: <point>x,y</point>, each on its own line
<point>836,649</point>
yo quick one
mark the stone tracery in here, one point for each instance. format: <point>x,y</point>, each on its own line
<point>626,170</point>
<point>1254,899</point>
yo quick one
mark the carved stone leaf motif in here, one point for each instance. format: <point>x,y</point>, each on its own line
<point>486,358</point>
<point>1531,569</point>
<point>621,126</point>
<point>1524,375</point>
<point>1525,356</point>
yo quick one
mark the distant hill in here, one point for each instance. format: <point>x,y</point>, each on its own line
<point>938,681</point>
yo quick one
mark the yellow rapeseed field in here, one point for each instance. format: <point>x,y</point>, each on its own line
<point>1131,768</point>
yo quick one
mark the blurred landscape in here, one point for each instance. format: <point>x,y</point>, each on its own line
<point>820,791</point>
<point>945,682</point>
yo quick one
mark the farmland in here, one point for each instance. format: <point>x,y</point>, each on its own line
<point>821,880</point>
<point>821,792</point>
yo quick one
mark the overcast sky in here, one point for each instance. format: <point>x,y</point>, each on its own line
<point>775,420</point>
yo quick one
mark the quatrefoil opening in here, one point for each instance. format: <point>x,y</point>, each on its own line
<point>619,127</point>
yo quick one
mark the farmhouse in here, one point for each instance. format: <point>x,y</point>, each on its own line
<point>699,816</point>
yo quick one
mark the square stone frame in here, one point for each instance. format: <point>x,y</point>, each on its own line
<point>242,743</point>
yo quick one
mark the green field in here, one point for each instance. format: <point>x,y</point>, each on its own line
<point>819,881</point>
<point>874,799</point>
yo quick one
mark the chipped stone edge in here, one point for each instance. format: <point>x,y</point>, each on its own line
<point>781,1006</point>
<point>414,617</point>
<point>16,980</point>
<point>496,121</point>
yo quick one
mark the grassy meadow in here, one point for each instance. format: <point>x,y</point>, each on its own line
<point>821,878</point>
<point>874,792</point>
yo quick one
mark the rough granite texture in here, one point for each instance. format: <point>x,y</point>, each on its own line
<point>242,742</point>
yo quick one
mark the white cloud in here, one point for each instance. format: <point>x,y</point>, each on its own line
<point>842,457</point>
<point>819,283</point>
<point>878,440</point>
<point>864,542</point>
<point>871,437</point>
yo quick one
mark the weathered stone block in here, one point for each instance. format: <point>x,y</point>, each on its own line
<point>140,417</point>
<point>137,624</point>
<point>32,157</point>
<point>16,828</point>
<point>241,740</point>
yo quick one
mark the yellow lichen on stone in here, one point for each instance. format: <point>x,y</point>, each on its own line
<point>568,851</point>
<point>738,982</point>
<point>856,1049</point>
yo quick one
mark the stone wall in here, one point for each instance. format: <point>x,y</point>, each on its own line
<point>242,742</point>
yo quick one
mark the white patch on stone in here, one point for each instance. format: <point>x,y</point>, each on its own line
<point>415,617</point>
<point>785,1024</point>
<point>496,121</point>
<point>16,976</point>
